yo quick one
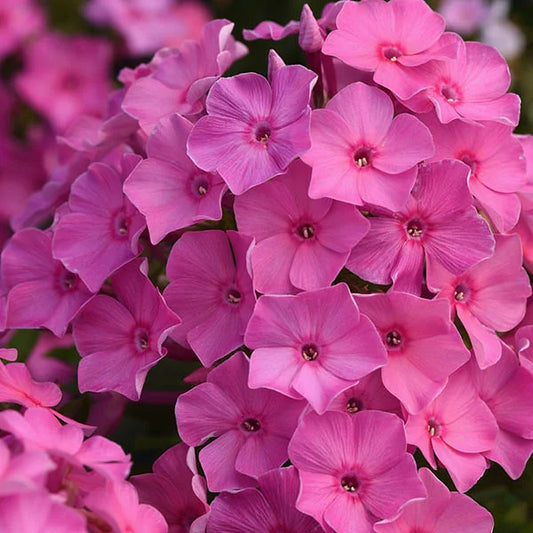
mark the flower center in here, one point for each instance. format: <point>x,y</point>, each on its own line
<point>306,231</point>
<point>349,483</point>
<point>251,425</point>
<point>362,157</point>
<point>121,225</point>
<point>467,159</point>
<point>233,296</point>
<point>353,405</point>
<point>262,132</point>
<point>460,293</point>
<point>68,280</point>
<point>434,428</point>
<point>309,352</point>
<point>141,339</point>
<point>414,228</point>
<point>449,93</point>
<point>393,339</point>
<point>392,53</point>
<point>200,185</point>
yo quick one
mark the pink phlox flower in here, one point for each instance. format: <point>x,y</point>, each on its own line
<point>471,88</point>
<point>369,393</point>
<point>353,470</point>
<point>299,241</point>
<point>507,389</point>
<point>97,136</point>
<point>18,386</point>
<point>254,128</point>
<point>168,188</point>
<point>251,428</point>
<point>19,19</point>
<point>42,292</point>
<point>41,205</point>
<point>116,504</point>
<point>175,489</point>
<point>490,296</point>
<point>423,345</point>
<point>464,16</point>
<point>458,428</point>
<point>37,512</point>
<point>496,160</point>
<point>65,77</point>
<point>271,508</point>
<point>120,340</point>
<point>100,230</point>
<point>441,512</point>
<point>360,153</point>
<point>392,40</point>
<point>312,345</point>
<point>90,461</point>
<point>524,226</point>
<point>21,471</point>
<point>211,290</point>
<point>439,223</point>
<point>147,25</point>
<point>44,367</point>
<point>183,76</point>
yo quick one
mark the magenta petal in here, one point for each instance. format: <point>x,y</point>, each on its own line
<point>217,459</point>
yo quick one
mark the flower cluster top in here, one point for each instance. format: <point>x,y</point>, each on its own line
<point>340,247</point>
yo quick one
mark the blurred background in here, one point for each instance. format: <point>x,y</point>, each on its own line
<point>101,37</point>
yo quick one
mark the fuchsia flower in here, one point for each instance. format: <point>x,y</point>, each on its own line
<point>422,344</point>
<point>438,223</point>
<point>507,389</point>
<point>211,290</point>
<point>490,296</point>
<point>99,232</point>
<point>464,16</point>
<point>65,77</point>
<point>472,87</point>
<point>147,25</point>
<point>42,292</point>
<point>496,161</point>
<point>441,512</point>
<point>168,188</point>
<point>38,512</point>
<point>299,241</point>
<point>271,508</point>
<point>458,428</point>
<point>354,470</point>
<point>391,40</point>
<point>254,129</point>
<point>312,345</point>
<point>19,19</point>
<point>252,427</point>
<point>181,77</point>
<point>176,490</point>
<point>117,504</point>
<point>119,341</point>
<point>360,154</point>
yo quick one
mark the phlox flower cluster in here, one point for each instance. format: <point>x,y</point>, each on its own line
<point>339,247</point>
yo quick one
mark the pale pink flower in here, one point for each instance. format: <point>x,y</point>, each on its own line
<point>490,296</point>
<point>360,154</point>
<point>312,345</point>
<point>299,241</point>
<point>354,470</point>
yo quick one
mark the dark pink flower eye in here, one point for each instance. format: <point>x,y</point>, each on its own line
<point>251,425</point>
<point>353,405</point>
<point>309,352</point>
<point>349,483</point>
<point>393,338</point>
